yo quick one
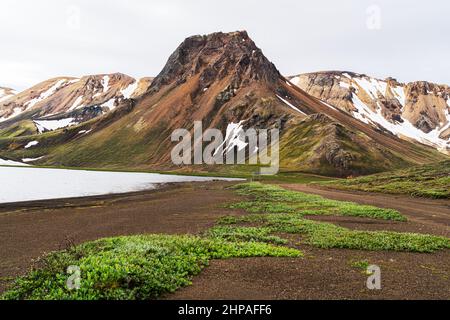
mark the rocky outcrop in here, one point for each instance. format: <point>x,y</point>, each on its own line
<point>427,105</point>
<point>331,148</point>
<point>322,145</point>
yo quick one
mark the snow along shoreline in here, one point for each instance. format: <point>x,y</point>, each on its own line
<point>32,184</point>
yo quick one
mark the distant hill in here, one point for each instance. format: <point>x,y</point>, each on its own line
<point>417,111</point>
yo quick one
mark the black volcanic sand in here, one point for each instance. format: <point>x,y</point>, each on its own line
<point>29,230</point>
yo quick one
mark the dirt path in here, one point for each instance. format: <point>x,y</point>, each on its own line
<point>28,230</point>
<point>431,214</point>
<point>323,274</point>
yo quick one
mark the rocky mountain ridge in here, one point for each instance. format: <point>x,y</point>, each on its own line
<point>225,81</point>
<point>64,101</point>
<point>417,111</point>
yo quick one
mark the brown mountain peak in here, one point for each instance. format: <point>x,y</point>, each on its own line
<point>216,56</point>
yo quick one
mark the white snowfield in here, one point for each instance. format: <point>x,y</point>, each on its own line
<point>4,162</point>
<point>42,97</point>
<point>51,125</point>
<point>26,160</point>
<point>129,91</point>
<point>29,184</point>
<point>405,129</point>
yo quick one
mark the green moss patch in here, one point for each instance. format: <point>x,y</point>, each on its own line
<point>136,267</point>
<point>274,199</point>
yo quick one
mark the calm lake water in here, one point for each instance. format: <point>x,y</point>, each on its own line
<point>27,184</point>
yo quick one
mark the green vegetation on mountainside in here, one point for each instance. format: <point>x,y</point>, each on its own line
<point>316,145</point>
<point>320,145</point>
<point>431,180</point>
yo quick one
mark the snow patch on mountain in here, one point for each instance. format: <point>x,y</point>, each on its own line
<point>372,86</point>
<point>109,104</point>
<point>31,144</point>
<point>235,137</point>
<point>344,85</point>
<point>16,112</point>
<point>46,94</point>
<point>290,105</point>
<point>105,86</point>
<point>129,91</point>
<point>77,104</point>
<point>105,83</point>
<point>27,160</point>
<point>405,128</point>
<point>31,103</point>
<point>329,105</point>
<point>51,125</point>
<point>12,163</point>
<point>399,93</point>
<point>413,111</point>
<point>296,81</point>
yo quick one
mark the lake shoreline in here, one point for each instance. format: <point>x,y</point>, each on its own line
<point>41,184</point>
<point>77,201</point>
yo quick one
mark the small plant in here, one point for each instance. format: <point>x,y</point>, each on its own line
<point>250,234</point>
<point>361,264</point>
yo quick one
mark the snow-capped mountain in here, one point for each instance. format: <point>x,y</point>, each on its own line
<point>221,79</point>
<point>66,101</point>
<point>418,111</point>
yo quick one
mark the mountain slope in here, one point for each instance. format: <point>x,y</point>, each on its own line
<point>417,111</point>
<point>220,79</point>
<point>61,102</point>
<point>224,80</point>
<point>321,145</point>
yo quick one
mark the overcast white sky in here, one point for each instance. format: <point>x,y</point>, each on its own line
<point>406,39</point>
